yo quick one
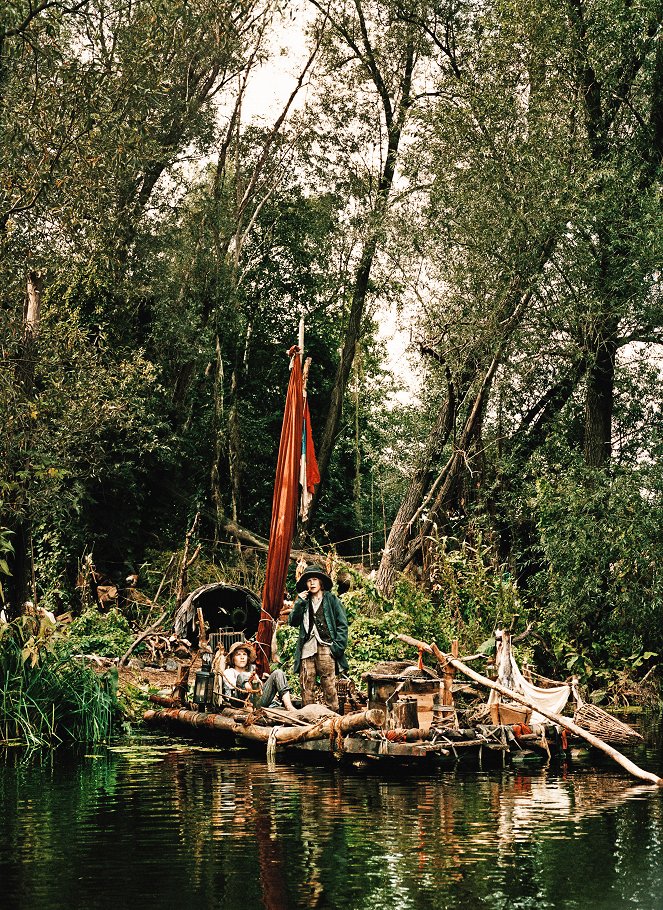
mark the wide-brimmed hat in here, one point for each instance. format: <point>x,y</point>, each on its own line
<point>242,646</point>
<point>314,572</point>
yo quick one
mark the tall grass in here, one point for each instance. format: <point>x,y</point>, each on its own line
<point>47,696</point>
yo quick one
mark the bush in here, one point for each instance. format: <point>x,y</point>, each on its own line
<point>105,634</point>
<point>601,538</point>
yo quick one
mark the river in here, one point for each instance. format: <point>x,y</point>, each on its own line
<point>152,823</point>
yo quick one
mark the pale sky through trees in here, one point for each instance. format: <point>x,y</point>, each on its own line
<point>267,92</point>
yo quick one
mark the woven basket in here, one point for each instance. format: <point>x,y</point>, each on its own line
<point>597,721</point>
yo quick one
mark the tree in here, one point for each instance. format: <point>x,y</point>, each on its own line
<point>100,100</point>
<point>377,49</point>
<point>490,161</point>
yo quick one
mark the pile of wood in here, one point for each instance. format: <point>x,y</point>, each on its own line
<point>161,647</point>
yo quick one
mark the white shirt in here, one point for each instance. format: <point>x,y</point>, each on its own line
<point>311,644</point>
<point>231,685</point>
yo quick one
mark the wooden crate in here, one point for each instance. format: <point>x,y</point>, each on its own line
<point>509,714</point>
<point>381,695</point>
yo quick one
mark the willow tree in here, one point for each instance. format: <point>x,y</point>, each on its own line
<point>376,59</point>
<point>618,70</point>
<point>548,190</point>
<point>490,172</point>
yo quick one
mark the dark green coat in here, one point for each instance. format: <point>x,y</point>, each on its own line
<point>337,623</point>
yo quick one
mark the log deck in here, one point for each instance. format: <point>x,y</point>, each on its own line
<point>353,737</point>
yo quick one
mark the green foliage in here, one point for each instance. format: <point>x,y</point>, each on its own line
<point>600,535</point>
<point>104,634</point>
<point>46,696</point>
<point>623,680</point>
<point>373,639</point>
<point>6,549</point>
<point>473,590</point>
<point>286,639</point>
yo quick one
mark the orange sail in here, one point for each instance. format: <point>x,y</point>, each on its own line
<point>284,511</point>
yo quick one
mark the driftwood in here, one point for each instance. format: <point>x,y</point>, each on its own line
<point>558,719</point>
<point>186,561</point>
<point>155,625</point>
<point>142,637</point>
<point>283,736</point>
<point>260,543</point>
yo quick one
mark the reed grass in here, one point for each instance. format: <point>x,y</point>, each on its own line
<point>46,695</point>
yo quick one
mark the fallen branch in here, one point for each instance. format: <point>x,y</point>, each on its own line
<point>142,637</point>
<point>160,588</point>
<point>260,543</point>
<point>186,563</point>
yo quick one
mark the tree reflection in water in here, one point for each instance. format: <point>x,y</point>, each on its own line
<point>160,823</point>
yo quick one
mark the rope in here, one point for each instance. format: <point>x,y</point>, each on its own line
<point>272,743</point>
<point>336,738</point>
<point>266,617</point>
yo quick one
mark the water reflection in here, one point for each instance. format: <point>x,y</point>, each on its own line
<point>152,823</point>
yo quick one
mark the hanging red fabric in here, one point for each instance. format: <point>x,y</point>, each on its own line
<point>284,512</point>
<point>312,472</point>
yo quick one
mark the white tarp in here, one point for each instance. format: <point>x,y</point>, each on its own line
<point>552,699</point>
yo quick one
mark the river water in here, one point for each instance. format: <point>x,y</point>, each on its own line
<point>151,823</point>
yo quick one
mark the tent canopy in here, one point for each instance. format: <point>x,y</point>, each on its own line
<point>224,606</point>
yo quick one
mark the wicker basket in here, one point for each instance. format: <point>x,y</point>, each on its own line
<point>597,721</point>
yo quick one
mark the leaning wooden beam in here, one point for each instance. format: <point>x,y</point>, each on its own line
<point>260,543</point>
<point>284,736</point>
<point>420,645</point>
<point>622,760</point>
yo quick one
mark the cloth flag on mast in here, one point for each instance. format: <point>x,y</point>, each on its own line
<point>309,475</point>
<point>296,454</point>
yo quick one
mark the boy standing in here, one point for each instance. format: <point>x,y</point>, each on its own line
<point>323,635</point>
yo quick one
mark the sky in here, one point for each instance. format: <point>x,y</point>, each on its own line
<point>269,88</point>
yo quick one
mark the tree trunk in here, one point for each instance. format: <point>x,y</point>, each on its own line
<point>219,444</point>
<point>599,401</point>
<point>395,124</point>
<point>449,477</point>
<point>284,736</point>
<point>394,552</point>
<point>19,584</point>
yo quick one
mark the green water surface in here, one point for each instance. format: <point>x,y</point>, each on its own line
<point>151,823</point>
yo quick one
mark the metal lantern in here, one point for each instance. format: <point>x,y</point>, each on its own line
<point>203,686</point>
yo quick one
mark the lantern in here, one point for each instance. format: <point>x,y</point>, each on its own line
<point>203,686</point>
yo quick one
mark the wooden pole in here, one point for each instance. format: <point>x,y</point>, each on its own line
<point>186,562</point>
<point>447,690</point>
<point>622,760</point>
<point>300,338</point>
<point>202,634</point>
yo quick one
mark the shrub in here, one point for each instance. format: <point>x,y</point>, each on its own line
<point>106,634</point>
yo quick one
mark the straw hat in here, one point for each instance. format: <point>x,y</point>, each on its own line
<point>314,572</point>
<point>241,646</point>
